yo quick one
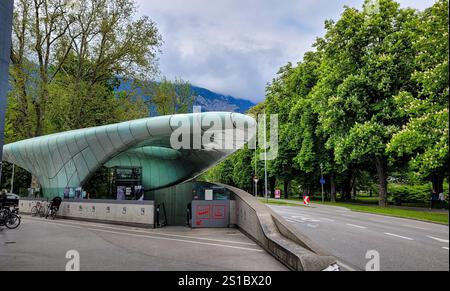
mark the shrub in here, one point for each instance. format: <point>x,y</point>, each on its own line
<point>415,194</point>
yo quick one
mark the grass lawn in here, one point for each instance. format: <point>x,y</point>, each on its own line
<point>390,211</point>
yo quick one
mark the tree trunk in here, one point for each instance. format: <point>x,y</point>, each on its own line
<point>381,165</point>
<point>438,183</point>
<point>286,188</point>
<point>347,186</point>
<point>355,190</point>
<point>272,182</point>
<point>332,188</point>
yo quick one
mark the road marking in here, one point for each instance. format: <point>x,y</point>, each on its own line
<point>445,248</point>
<point>357,226</point>
<point>312,225</point>
<point>351,216</point>
<point>148,232</point>
<point>155,237</point>
<point>399,236</point>
<point>416,227</point>
<point>327,219</point>
<point>294,220</point>
<point>174,239</point>
<point>438,239</point>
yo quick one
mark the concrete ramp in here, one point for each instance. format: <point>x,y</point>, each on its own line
<point>277,236</point>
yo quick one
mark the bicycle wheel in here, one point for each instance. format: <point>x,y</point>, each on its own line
<point>53,214</point>
<point>34,211</point>
<point>13,221</point>
<point>42,211</point>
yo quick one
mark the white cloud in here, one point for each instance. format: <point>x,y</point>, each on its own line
<point>236,46</point>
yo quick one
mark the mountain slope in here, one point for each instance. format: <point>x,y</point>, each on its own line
<point>211,101</point>
<point>207,99</point>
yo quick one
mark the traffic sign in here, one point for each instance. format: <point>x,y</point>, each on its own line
<point>322,181</point>
<point>277,194</point>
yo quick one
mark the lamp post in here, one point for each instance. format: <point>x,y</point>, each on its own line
<point>265,157</point>
<point>12,179</point>
<point>322,181</point>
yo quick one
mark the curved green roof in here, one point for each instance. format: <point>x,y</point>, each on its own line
<point>69,159</point>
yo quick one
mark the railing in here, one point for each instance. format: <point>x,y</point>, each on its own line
<point>277,236</point>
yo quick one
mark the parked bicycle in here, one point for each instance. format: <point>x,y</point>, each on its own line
<point>53,207</point>
<point>39,209</point>
<point>9,218</point>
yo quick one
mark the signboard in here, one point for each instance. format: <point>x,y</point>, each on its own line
<point>210,214</point>
<point>209,195</point>
<point>277,194</point>
<point>322,181</point>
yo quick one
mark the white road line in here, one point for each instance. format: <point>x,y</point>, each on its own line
<point>327,219</point>
<point>357,226</point>
<point>445,248</point>
<point>312,225</point>
<point>351,216</point>
<point>156,237</point>
<point>294,220</point>
<point>399,236</point>
<point>416,227</point>
<point>173,239</point>
<point>438,239</point>
<point>150,233</point>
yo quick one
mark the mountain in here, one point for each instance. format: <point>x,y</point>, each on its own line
<point>211,101</point>
<point>207,99</point>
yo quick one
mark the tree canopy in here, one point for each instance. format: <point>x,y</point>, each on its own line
<point>370,100</point>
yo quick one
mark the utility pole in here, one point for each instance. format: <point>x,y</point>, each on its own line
<point>6,15</point>
<point>255,177</point>
<point>322,181</point>
<point>265,156</point>
<point>12,179</point>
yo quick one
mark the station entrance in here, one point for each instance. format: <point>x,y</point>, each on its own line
<point>127,183</point>
<point>192,204</point>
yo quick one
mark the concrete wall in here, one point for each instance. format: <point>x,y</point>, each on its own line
<point>278,237</point>
<point>122,212</point>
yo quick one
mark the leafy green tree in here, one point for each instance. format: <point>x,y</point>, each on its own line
<point>367,60</point>
<point>63,47</point>
<point>424,139</point>
<point>171,97</point>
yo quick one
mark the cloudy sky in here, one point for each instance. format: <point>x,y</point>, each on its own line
<point>235,47</point>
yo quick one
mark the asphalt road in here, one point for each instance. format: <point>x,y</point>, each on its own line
<point>39,245</point>
<point>402,244</point>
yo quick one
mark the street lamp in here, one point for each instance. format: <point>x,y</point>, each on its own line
<point>322,181</point>
<point>256,179</point>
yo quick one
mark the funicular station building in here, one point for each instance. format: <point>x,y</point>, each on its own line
<point>144,165</point>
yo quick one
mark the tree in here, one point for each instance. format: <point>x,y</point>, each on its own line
<point>61,46</point>
<point>424,139</point>
<point>367,60</point>
<point>172,97</point>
